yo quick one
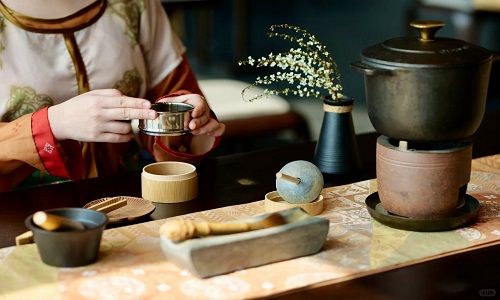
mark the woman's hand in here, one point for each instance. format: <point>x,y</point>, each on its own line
<point>97,116</point>
<point>202,121</point>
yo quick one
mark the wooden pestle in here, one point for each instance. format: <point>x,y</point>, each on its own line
<point>288,178</point>
<point>53,222</point>
<point>178,230</point>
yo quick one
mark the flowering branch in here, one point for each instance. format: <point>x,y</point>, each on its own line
<point>309,68</point>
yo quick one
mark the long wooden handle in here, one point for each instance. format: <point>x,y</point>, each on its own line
<point>111,207</point>
<point>24,238</point>
<point>178,230</point>
<point>288,177</point>
<point>205,228</point>
<point>54,222</point>
<point>108,205</point>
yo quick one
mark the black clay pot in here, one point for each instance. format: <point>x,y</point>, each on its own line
<point>337,149</point>
<point>426,88</point>
<point>71,248</point>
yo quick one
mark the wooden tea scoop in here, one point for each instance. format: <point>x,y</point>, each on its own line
<point>178,230</point>
<point>53,222</point>
<point>108,205</point>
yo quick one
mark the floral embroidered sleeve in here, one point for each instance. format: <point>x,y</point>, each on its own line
<point>50,155</point>
<point>28,145</point>
<point>18,155</point>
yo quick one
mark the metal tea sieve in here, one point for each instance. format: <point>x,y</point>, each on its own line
<point>173,119</point>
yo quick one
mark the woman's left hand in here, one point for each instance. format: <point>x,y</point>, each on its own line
<point>202,121</point>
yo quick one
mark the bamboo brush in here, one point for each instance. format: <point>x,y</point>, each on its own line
<point>179,230</point>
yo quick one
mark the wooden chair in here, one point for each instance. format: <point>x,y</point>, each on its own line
<point>248,122</point>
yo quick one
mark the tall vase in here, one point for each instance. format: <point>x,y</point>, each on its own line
<point>337,148</point>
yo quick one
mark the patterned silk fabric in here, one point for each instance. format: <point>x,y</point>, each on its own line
<point>122,44</point>
<point>49,71</point>
<point>133,266</point>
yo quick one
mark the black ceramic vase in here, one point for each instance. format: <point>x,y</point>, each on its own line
<point>337,149</point>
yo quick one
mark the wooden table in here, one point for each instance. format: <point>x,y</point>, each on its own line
<point>247,177</point>
<point>223,181</point>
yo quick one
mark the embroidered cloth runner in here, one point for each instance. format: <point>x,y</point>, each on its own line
<point>132,265</point>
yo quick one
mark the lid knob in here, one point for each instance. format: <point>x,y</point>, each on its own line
<point>427,29</point>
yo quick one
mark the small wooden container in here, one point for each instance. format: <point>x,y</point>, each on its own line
<point>274,202</point>
<point>169,182</point>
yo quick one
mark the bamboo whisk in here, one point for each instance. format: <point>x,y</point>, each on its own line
<point>178,230</point>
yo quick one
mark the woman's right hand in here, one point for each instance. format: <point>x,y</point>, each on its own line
<point>97,116</point>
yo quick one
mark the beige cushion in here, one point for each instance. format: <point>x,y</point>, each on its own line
<point>488,5</point>
<point>224,97</point>
<point>460,5</point>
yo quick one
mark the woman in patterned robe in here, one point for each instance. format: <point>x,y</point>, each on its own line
<point>71,72</point>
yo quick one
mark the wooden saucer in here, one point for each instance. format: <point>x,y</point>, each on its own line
<point>274,202</point>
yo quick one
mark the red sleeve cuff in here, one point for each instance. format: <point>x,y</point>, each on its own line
<point>160,143</point>
<point>182,154</point>
<point>178,93</point>
<point>47,148</point>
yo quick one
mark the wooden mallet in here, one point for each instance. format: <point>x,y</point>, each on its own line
<point>53,222</point>
<point>178,230</point>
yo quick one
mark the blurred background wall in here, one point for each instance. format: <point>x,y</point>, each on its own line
<point>219,33</point>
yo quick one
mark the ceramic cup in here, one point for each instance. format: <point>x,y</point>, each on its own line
<point>169,182</point>
<point>71,248</point>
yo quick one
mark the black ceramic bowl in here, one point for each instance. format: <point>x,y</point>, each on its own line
<point>72,248</point>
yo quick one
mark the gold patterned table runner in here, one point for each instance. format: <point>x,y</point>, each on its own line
<point>132,265</point>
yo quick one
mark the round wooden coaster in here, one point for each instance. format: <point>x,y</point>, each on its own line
<point>274,202</point>
<point>136,208</point>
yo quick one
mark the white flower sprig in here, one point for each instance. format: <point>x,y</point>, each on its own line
<point>309,68</point>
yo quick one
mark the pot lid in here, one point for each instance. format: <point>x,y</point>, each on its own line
<point>426,50</point>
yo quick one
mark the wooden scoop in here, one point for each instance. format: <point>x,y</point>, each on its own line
<point>178,230</point>
<point>53,222</point>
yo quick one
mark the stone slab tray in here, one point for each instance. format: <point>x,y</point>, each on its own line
<point>302,235</point>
